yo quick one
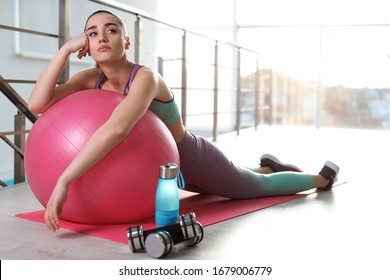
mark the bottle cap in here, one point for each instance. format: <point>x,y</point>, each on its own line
<point>168,171</point>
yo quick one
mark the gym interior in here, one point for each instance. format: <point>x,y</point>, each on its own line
<point>306,81</point>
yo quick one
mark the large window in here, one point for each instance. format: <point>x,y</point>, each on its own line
<point>330,59</point>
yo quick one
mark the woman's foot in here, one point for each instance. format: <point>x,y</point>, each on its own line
<point>329,172</point>
<point>271,162</point>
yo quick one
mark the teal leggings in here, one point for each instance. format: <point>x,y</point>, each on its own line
<point>207,170</point>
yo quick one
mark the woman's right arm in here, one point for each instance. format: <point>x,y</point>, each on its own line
<point>46,92</point>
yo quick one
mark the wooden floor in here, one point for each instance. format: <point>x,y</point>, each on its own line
<point>340,233</point>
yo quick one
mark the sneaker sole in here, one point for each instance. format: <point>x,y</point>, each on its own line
<point>333,166</point>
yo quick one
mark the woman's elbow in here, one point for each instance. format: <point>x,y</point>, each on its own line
<point>35,108</point>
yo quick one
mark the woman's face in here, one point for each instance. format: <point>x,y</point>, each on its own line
<point>107,39</point>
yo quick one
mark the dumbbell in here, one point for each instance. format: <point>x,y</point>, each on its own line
<point>158,242</point>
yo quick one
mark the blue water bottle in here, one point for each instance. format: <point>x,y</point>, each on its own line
<point>167,196</point>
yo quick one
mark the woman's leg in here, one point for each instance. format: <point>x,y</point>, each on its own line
<point>270,164</point>
<point>205,166</point>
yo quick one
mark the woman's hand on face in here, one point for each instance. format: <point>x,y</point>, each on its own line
<point>55,206</point>
<point>79,43</point>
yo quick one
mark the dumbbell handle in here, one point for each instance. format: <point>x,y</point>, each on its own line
<point>174,230</point>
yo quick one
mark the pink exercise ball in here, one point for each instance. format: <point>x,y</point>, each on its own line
<point>120,188</point>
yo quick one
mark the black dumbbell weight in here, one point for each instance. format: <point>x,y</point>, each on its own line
<point>187,229</point>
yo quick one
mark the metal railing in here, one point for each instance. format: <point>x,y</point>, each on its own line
<point>63,36</point>
<point>20,131</point>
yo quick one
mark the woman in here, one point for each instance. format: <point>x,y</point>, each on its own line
<point>205,168</point>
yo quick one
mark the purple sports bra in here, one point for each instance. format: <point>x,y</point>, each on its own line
<point>134,70</point>
<point>168,112</point>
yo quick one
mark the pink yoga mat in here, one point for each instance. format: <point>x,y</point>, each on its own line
<point>209,209</point>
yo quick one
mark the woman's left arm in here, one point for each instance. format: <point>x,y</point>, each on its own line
<point>143,89</point>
